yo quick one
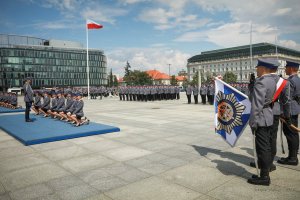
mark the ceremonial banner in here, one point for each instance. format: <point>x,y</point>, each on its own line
<point>232,112</point>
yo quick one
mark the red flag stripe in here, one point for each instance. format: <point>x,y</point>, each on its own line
<point>93,25</point>
<point>280,85</point>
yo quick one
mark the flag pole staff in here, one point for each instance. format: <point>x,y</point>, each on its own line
<point>255,154</point>
<point>87,60</point>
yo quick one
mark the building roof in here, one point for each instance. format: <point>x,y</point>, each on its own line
<point>120,80</point>
<point>180,78</point>
<point>243,51</point>
<point>157,75</point>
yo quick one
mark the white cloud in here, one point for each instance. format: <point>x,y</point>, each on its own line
<point>147,59</point>
<point>102,13</point>
<point>282,11</point>
<point>126,2</point>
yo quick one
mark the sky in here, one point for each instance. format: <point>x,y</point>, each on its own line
<point>151,34</point>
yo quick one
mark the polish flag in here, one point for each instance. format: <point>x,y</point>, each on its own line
<point>93,25</point>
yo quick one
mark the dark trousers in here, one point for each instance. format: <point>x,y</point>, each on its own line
<point>196,99</point>
<point>178,96</point>
<point>120,95</point>
<point>292,137</point>
<point>274,130</point>
<point>263,142</point>
<point>189,98</point>
<point>203,98</point>
<point>27,110</point>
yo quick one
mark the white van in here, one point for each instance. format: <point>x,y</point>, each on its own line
<point>15,90</point>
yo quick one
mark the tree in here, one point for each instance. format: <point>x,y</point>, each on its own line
<point>173,80</point>
<point>115,82</point>
<point>229,77</point>
<point>195,80</point>
<point>137,77</point>
<point>127,69</point>
<point>110,79</point>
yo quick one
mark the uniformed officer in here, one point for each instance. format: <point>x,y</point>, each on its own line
<point>28,98</point>
<point>210,94</point>
<point>261,118</point>
<point>189,93</point>
<point>203,93</point>
<point>281,106</point>
<point>195,93</point>
<point>292,137</point>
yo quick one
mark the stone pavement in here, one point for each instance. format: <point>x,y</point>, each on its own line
<point>165,150</point>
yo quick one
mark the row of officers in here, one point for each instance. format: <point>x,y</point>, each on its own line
<point>148,93</point>
<point>207,92</point>
<point>273,98</point>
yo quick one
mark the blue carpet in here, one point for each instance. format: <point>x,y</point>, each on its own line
<point>9,110</point>
<point>44,130</point>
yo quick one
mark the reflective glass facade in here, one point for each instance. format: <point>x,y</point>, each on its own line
<point>50,66</point>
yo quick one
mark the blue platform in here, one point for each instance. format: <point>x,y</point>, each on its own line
<point>44,130</point>
<point>9,110</point>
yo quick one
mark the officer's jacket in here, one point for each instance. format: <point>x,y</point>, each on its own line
<point>203,90</point>
<point>195,90</point>
<point>28,93</point>
<point>189,90</point>
<point>261,111</point>
<point>53,103</point>
<point>37,100</point>
<point>79,108</point>
<point>210,90</point>
<point>60,104</point>
<point>46,103</point>
<point>294,94</point>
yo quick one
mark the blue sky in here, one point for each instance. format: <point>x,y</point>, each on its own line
<point>150,34</point>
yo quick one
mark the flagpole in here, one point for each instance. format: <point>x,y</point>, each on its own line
<point>251,61</point>
<point>87,60</point>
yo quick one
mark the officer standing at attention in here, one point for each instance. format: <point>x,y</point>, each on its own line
<point>28,98</point>
<point>203,93</point>
<point>195,93</point>
<point>189,93</point>
<point>292,137</point>
<point>261,118</point>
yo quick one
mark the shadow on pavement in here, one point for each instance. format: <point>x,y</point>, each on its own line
<point>227,167</point>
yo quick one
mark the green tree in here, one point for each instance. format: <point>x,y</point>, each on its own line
<point>127,69</point>
<point>173,80</point>
<point>137,77</point>
<point>229,77</point>
<point>110,79</point>
<point>115,82</point>
<point>195,80</point>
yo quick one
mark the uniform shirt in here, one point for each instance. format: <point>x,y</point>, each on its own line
<point>261,113</point>
<point>189,90</point>
<point>37,101</point>
<point>28,93</point>
<point>79,108</point>
<point>195,91</point>
<point>60,104</point>
<point>294,92</point>
<point>53,103</point>
<point>203,90</point>
<point>46,103</point>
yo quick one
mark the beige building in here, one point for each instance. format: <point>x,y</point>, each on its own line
<point>237,60</point>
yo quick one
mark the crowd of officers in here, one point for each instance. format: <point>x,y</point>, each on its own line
<point>271,99</point>
<point>148,93</point>
<point>65,106</point>
<point>9,100</point>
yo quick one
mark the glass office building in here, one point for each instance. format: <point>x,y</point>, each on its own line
<point>50,63</point>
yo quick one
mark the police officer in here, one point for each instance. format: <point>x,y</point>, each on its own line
<point>203,93</point>
<point>292,137</point>
<point>210,94</point>
<point>28,98</point>
<point>281,105</point>
<point>195,93</point>
<point>261,118</point>
<point>189,93</point>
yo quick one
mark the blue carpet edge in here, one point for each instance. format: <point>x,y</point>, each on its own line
<point>13,111</point>
<point>58,138</point>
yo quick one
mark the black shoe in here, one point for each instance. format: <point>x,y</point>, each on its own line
<point>288,161</point>
<point>255,180</point>
<point>29,120</point>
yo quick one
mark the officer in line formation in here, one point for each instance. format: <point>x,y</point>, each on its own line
<point>148,93</point>
<point>66,106</point>
<point>28,98</point>
<point>207,92</point>
<point>9,100</point>
<point>268,104</point>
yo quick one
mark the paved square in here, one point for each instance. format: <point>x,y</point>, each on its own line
<point>165,150</point>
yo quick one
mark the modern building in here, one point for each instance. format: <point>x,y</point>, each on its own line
<point>50,63</point>
<point>237,60</point>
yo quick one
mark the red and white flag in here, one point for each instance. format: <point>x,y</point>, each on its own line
<point>93,25</point>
